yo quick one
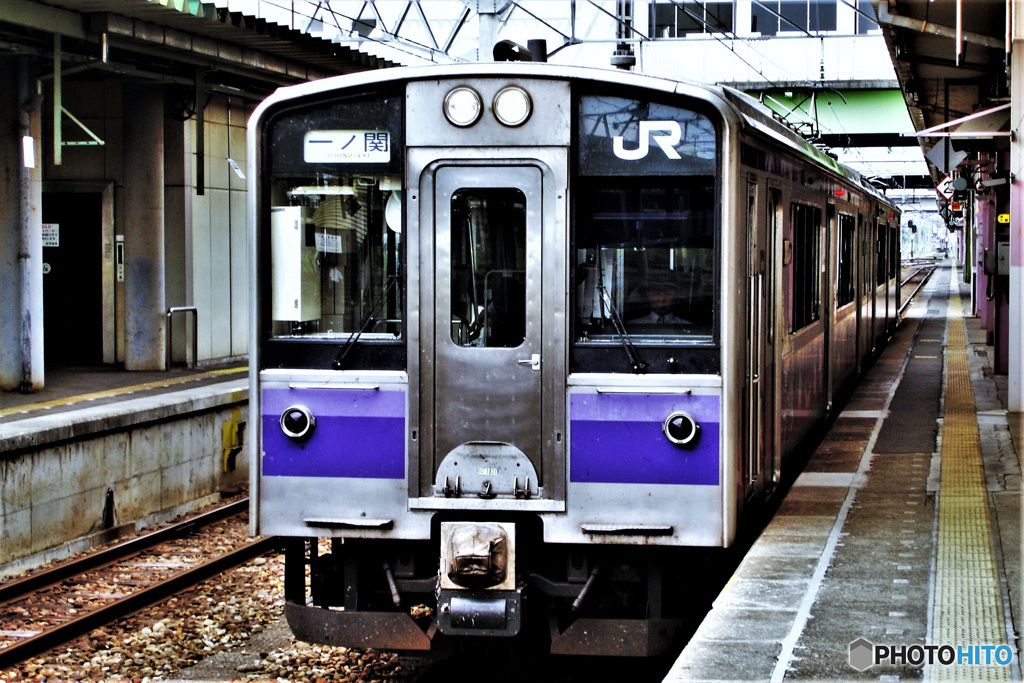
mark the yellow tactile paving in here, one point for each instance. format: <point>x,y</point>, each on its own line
<point>84,398</point>
<point>968,607</point>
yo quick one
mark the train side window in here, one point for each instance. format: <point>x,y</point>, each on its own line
<point>805,276</point>
<point>845,286</point>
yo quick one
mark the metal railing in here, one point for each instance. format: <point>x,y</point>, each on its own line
<point>195,333</point>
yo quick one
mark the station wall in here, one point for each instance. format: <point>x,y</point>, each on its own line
<point>204,234</point>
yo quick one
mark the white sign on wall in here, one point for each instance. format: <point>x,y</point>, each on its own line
<point>51,234</point>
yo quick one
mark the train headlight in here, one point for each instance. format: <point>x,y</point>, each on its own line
<point>297,422</point>
<point>681,429</point>
<point>512,106</point>
<point>462,106</point>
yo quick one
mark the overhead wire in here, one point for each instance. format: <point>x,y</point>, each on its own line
<point>732,36</point>
<point>726,38</point>
<point>398,42</point>
<point>519,6</point>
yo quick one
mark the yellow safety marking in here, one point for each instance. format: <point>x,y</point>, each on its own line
<point>231,434</point>
<point>968,607</point>
<point>80,398</point>
<point>932,357</point>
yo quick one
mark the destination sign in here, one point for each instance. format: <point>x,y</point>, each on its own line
<point>347,147</point>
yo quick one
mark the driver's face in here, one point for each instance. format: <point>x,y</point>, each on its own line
<point>661,299</point>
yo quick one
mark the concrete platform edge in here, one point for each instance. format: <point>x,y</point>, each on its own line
<point>37,430</point>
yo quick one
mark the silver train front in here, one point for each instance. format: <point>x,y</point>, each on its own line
<point>444,472</point>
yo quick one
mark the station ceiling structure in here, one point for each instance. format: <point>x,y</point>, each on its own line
<point>170,41</point>
<point>949,55</point>
<point>951,60</point>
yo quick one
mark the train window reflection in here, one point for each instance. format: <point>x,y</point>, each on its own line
<point>335,247</point>
<point>488,267</point>
<point>645,261</point>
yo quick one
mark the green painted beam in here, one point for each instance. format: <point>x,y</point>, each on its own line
<point>863,112</point>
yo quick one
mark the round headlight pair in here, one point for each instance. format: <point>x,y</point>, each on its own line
<point>463,106</point>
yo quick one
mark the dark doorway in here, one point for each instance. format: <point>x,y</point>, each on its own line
<point>72,278</point>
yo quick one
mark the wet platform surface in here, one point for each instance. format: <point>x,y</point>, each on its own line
<point>902,531</point>
<point>72,388</point>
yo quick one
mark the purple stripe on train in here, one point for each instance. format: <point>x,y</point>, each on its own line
<point>617,438</point>
<point>359,434</point>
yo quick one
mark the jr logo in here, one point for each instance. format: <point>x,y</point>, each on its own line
<point>666,134</point>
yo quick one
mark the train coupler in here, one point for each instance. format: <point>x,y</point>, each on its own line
<point>479,613</point>
<point>478,595</point>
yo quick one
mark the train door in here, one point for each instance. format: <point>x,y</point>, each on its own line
<point>828,303</point>
<point>754,389</point>
<point>486,330</point>
<point>772,304</point>
<point>879,285</point>
<point>761,463</point>
<point>866,290</point>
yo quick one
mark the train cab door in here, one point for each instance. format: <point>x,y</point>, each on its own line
<point>482,365</point>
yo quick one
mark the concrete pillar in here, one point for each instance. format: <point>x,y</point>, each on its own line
<point>21,240</point>
<point>1015,387</point>
<point>145,303</point>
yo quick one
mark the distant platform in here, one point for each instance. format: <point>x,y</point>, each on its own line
<point>899,547</point>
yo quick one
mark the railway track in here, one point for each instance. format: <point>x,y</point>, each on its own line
<point>51,607</point>
<point>912,284</point>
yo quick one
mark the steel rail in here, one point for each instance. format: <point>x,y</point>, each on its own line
<point>918,272</point>
<point>14,590</point>
<point>151,595</point>
<point>910,299</point>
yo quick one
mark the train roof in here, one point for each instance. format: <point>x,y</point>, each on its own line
<point>748,111</point>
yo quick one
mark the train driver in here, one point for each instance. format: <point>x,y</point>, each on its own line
<point>661,295</point>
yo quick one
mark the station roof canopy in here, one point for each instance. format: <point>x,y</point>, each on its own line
<point>169,40</point>
<point>950,60</point>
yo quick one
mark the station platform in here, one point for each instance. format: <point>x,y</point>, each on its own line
<point>71,388</point>
<point>101,451</point>
<point>896,553</point>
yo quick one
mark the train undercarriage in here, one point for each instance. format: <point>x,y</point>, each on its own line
<point>566,600</point>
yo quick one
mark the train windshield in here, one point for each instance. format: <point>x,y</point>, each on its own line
<point>645,229</point>
<point>335,199</point>
<point>646,256</point>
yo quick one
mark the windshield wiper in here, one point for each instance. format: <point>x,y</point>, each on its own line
<point>368,322</point>
<point>637,363</point>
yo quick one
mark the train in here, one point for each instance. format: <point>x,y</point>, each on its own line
<point>525,336</point>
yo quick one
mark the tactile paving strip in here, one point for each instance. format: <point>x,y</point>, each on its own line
<point>968,606</point>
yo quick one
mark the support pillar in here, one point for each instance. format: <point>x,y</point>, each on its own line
<point>1015,386</point>
<point>21,240</point>
<point>144,278</point>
